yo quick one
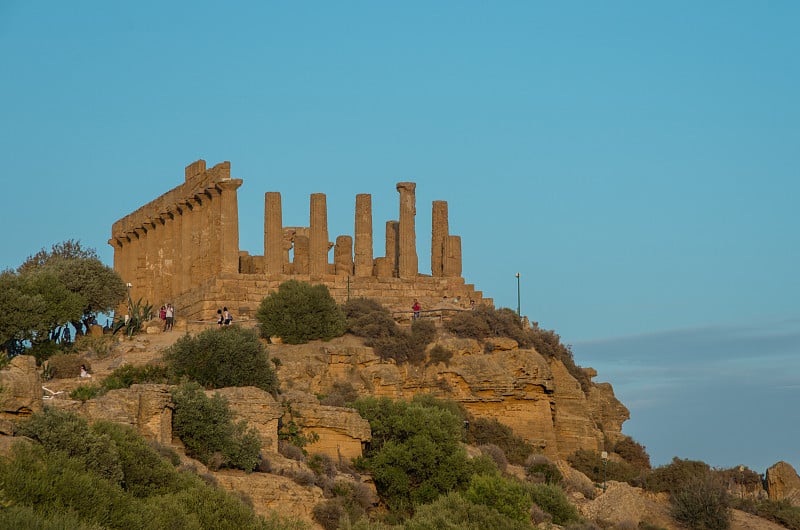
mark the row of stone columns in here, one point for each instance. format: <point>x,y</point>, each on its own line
<point>356,256</point>
<point>169,252</point>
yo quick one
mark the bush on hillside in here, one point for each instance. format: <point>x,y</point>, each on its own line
<point>69,476</point>
<point>702,504</point>
<point>415,453</point>
<point>490,431</point>
<point>539,468</point>
<point>676,475</point>
<point>553,500</point>
<point>505,495</point>
<point>592,465</point>
<point>486,322</point>
<point>342,394</point>
<point>367,318</point>
<point>632,452</point>
<point>66,365</point>
<point>129,374</point>
<point>206,428</point>
<point>781,512</point>
<point>219,358</point>
<point>299,312</point>
<point>454,510</point>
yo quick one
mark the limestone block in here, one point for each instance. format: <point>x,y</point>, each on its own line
<point>783,483</point>
<point>258,408</point>
<point>22,388</point>
<point>147,407</point>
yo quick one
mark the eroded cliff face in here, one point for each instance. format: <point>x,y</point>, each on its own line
<point>536,397</point>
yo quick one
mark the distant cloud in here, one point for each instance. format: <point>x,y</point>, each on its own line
<point>713,393</point>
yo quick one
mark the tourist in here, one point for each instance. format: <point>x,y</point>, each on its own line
<point>416,309</point>
<point>85,373</point>
<point>170,318</point>
<point>220,318</point>
<point>162,315</point>
<point>226,316</point>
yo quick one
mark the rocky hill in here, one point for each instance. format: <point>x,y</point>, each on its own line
<point>537,397</point>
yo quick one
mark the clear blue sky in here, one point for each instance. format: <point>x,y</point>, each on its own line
<point>637,162</point>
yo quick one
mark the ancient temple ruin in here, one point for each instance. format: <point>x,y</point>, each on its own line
<point>183,248</point>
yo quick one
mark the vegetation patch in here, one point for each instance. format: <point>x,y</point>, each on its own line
<point>219,358</point>
<point>299,312</point>
<point>205,426</point>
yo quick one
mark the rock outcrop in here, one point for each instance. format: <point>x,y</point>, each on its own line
<point>20,391</point>
<point>783,483</point>
<point>536,397</point>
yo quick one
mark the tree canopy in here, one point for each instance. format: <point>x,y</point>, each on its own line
<point>51,289</point>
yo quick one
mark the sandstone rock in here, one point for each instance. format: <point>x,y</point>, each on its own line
<point>503,344</point>
<point>342,431</point>
<point>624,505</point>
<point>147,408</point>
<point>258,408</point>
<point>783,483</point>
<point>274,494</point>
<point>21,393</point>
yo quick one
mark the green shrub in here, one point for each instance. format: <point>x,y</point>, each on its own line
<point>128,374</point>
<point>415,454</point>
<point>741,475</point>
<point>592,465</point>
<point>99,346</point>
<point>551,499</point>
<point>539,468</point>
<point>342,394</point>
<point>66,365</point>
<point>496,454</point>
<point>299,312</point>
<point>505,495</point>
<point>676,475</point>
<point>490,431</point>
<point>702,504</point>
<point>206,429</point>
<point>439,354</point>
<point>453,511</point>
<point>632,452</point>
<point>219,358</point>
<point>66,432</point>
<point>86,392</point>
<point>781,512</point>
<point>29,518</point>
<point>54,483</point>
<point>367,318</point>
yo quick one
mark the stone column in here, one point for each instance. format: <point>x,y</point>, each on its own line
<point>407,264</point>
<point>343,256</point>
<point>363,235</point>
<point>452,256</point>
<point>188,246</point>
<point>229,225</point>
<point>301,252</point>
<point>151,263</point>
<point>318,236</point>
<point>392,244</point>
<point>273,233</point>
<point>170,245</point>
<point>439,231</point>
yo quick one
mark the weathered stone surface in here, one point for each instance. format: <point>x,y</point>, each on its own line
<point>341,431</point>
<point>783,483</point>
<point>518,387</point>
<point>258,408</point>
<point>146,407</point>
<point>274,493</point>
<point>622,504</point>
<point>21,391</point>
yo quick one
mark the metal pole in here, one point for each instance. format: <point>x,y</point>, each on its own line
<point>519,307</point>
